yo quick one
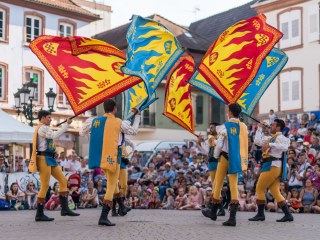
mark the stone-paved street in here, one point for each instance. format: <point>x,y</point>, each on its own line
<point>155,224</point>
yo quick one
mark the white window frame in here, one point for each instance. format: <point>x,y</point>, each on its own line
<point>291,78</point>
<point>290,17</point>
<point>32,34</point>
<point>64,102</point>
<point>64,33</point>
<point>313,12</point>
<point>27,79</point>
<point>2,82</point>
<point>3,38</point>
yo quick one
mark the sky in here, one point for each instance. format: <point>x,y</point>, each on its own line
<point>182,12</point>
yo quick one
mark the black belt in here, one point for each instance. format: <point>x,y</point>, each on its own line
<point>48,154</point>
<point>225,155</point>
<point>270,159</point>
<point>212,159</point>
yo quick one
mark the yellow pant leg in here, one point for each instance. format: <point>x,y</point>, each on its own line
<point>116,191</point>
<point>123,180</point>
<point>233,183</point>
<point>275,189</point>
<point>266,180</point>
<point>212,176</point>
<point>45,172</point>
<point>221,172</point>
<point>112,181</point>
<point>57,173</point>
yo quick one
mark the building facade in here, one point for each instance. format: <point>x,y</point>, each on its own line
<point>20,23</point>
<point>297,88</point>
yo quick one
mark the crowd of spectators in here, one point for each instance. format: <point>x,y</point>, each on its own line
<point>179,178</point>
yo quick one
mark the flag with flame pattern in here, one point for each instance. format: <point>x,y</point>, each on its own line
<point>269,69</point>
<point>87,70</point>
<point>137,97</point>
<point>233,60</point>
<point>152,51</point>
<point>178,103</point>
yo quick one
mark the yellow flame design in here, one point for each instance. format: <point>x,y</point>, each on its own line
<point>177,93</point>
<point>84,42</point>
<point>102,79</point>
<point>139,96</point>
<point>242,100</point>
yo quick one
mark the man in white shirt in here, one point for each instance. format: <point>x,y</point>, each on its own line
<point>273,148</point>
<point>73,165</point>
<point>108,131</point>
<point>43,159</point>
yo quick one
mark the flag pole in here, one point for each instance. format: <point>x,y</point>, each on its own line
<point>66,120</point>
<point>256,120</point>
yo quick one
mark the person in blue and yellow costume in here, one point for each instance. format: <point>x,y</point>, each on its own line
<point>105,149</point>
<point>208,149</point>
<point>232,149</point>
<point>120,193</point>
<point>273,168</point>
<point>43,159</point>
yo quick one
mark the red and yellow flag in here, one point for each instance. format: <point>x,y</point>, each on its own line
<point>233,60</point>
<point>87,70</point>
<point>178,104</point>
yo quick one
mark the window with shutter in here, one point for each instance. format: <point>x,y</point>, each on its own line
<point>2,24</point>
<point>34,76</point>
<point>33,28</point>
<point>66,30</point>
<point>290,92</point>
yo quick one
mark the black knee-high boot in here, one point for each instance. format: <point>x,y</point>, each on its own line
<point>103,220</point>
<point>40,217</point>
<point>260,215</point>
<point>122,211</point>
<point>232,218</point>
<point>212,213</point>
<point>114,208</point>
<point>287,215</point>
<point>65,210</point>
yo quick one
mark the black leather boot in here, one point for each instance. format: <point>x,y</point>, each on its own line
<point>232,218</point>
<point>40,217</point>
<point>103,220</point>
<point>287,215</point>
<point>211,213</point>
<point>114,208</point>
<point>260,215</point>
<point>65,210</point>
<point>122,211</point>
<point>221,211</point>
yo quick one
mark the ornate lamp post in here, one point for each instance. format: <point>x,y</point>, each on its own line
<point>24,100</point>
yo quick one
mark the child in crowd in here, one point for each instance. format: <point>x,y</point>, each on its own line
<point>154,199</point>
<point>193,200</point>
<point>208,197</point>
<point>100,191</point>
<point>251,204</point>
<point>31,194</point>
<point>134,197</point>
<point>168,201</point>
<point>15,197</point>
<point>242,198</point>
<point>144,200</point>
<point>54,202</point>
<point>181,199</point>
<point>295,201</point>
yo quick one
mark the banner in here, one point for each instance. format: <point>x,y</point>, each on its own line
<point>178,103</point>
<point>270,68</point>
<point>87,70</point>
<point>136,97</point>
<point>152,51</point>
<point>233,60</point>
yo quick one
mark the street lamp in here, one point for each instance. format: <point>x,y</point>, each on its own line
<point>24,97</point>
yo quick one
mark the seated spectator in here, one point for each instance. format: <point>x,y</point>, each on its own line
<point>136,174</point>
<point>294,201</point>
<point>242,198</point>
<point>251,203</point>
<point>316,208</point>
<point>101,192</point>
<point>134,199</point>
<point>168,200</point>
<point>74,189</point>
<point>4,204</point>
<point>31,195</point>
<point>15,197</point>
<point>54,201</point>
<point>102,177</point>
<point>4,168</point>
<point>308,196</point>
<point>154,202</point>
<point>181,200</point>
<point>208,197</point>
<point>194,202</point>
<point>144,199</point>
<point>89,197</point>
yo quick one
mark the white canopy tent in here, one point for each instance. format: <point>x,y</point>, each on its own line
<point>13,131</point>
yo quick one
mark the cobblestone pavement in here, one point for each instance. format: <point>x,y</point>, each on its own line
<point>155,224</point>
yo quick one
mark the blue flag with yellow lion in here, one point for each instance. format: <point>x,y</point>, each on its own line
<point>152,51</point>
